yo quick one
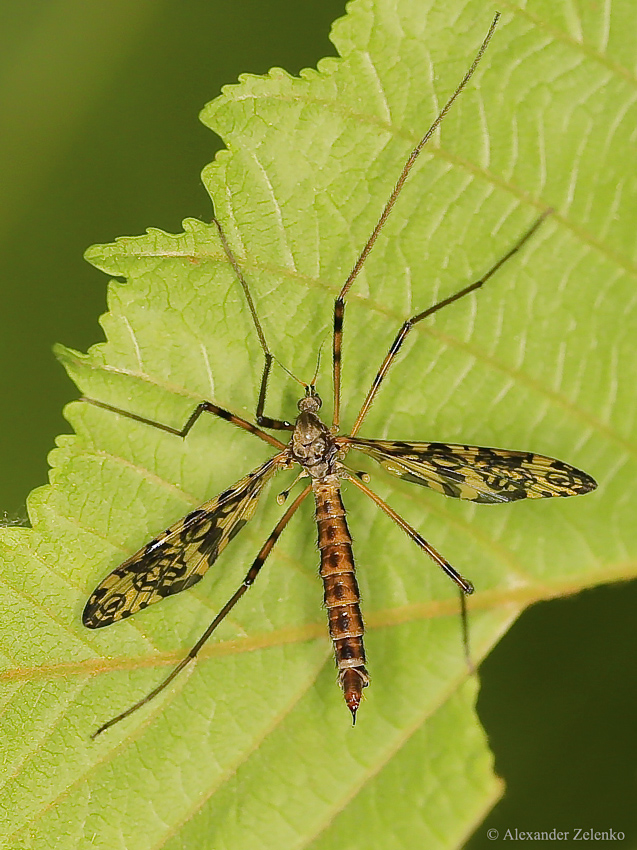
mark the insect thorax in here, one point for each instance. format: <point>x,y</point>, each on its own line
<point>312,444</point>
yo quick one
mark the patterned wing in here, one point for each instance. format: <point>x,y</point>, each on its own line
<point>488,476</point>
<point>178,558</point>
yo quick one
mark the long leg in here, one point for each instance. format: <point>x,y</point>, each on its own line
<point>248,581</point>
<point>202,407</point>
<point>409,324</point>
<point>465,632</point>
<point>339,304</point>
<point>464,585</point>
<point>264,421</point>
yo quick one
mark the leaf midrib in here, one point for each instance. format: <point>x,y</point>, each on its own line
<point>516,598</point>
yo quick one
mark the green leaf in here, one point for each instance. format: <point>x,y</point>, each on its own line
<point>253,747</point>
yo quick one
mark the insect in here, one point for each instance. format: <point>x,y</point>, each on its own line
<point>178,558</point>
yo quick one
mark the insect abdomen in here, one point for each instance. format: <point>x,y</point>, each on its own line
<point>341,590</point>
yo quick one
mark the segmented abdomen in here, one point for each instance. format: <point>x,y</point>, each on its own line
<point>341,589</point>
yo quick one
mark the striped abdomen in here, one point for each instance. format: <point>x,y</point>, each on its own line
<point>341,590</point>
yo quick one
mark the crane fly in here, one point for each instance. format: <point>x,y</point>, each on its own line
<point>179,557</point>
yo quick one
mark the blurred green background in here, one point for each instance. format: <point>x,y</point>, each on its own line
<point>100,138</point>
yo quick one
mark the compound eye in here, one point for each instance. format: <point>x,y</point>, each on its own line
<point>310,403</point>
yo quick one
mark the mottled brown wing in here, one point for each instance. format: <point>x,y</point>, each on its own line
<point>488,476</point>
<point>178,558</point>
